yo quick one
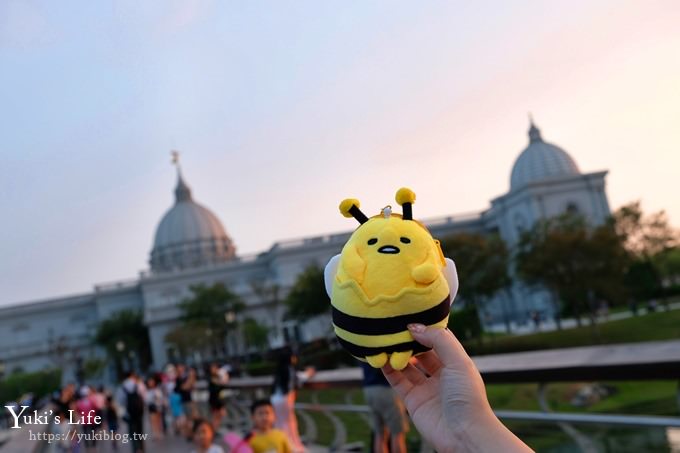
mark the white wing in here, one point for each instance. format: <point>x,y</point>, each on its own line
<point>330,272</point>
<point>451,277</point>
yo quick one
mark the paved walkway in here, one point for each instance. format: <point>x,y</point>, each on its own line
<point>19,440</point>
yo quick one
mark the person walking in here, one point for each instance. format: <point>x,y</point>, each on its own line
<point>85,405</point>
<point>111,416</point>
<point>154,403</point>
<point>218,381</point>
<point>186,379</point>
<point>204,436</point>
<point>389,419</point>
<point>63,401</point>
<point>132,399</point>
<point>265,438</point>
<point>284,392</point>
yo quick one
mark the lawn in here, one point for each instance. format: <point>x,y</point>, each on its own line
<point>661,325</point>
<point>630,397</point>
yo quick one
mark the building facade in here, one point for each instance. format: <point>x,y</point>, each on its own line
<point>192,247</point>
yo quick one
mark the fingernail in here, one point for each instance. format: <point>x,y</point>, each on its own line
<point>417,328</point>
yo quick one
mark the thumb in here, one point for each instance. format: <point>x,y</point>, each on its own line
<point>444,343</point>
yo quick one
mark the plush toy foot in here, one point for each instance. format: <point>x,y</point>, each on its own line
<point>377,361</point>
<point>399,360</point>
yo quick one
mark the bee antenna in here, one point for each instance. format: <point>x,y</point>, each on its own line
<point>406,197</point>
<point>350,208</point>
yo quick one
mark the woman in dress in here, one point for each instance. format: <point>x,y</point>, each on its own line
<point>217,383</point>
<point>154,403</point>
<point>284,391</point>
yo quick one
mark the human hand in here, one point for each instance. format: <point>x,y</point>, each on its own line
<point>446,399</point>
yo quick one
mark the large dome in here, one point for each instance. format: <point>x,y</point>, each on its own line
<point>540,161</point>
<point>189,235</point>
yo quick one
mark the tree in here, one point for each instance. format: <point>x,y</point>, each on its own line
<point>482,263</point>
<point>270,294</point>
<point>578,263</point>
<point>644,236</point>
<point>668,265</point>
<point>256,335</point>
<point>651,241</point>
<point>40,383</point>
<point>205,318</point>
<point>307,298</point>
<point>93,367</point>
<point>188,338</point>
<point>642,279</point>
<point>126,328</point>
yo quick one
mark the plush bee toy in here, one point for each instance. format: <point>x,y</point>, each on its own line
<point>391,273</point>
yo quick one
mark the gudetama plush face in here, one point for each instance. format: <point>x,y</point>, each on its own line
<point>385,256</point>
<point>391,272</point>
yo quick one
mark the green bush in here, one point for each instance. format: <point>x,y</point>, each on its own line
<point>264,368</point>
<point>464,323</point>
<point>40,383</point>
<point>327,359</point>
<point>670,291</point>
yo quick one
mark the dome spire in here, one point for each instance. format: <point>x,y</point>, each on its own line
<point>540,161</point>
<point>534,132</point>
<point>182,191</point>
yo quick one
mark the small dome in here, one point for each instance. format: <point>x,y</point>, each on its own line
<point>540,161</point>
<point>189,235</point>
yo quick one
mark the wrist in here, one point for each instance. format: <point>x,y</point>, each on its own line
<point>481,434</point>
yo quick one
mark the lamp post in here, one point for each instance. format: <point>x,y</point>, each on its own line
<point>208,334</point>
<point>133,362</point>
<point>230,318</point>
<point>120,347</point>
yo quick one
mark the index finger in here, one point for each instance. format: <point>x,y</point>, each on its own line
<point>444,343</point>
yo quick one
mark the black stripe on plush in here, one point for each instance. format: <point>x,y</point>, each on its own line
<point>364,351</point>
<point>394,324</point>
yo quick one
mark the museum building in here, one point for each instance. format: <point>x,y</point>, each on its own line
<point>191,246</point>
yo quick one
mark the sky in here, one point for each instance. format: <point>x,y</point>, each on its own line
<point>280,109</point>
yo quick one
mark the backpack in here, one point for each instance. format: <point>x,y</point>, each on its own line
<point>135,403</point>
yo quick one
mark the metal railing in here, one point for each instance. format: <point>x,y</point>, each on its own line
<point>637,361</point>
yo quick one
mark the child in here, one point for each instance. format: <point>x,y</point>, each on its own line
<point>177,411</point>
<point>265,438</point>
<point>203,437</point>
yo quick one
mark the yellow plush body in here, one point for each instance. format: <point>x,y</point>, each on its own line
<point>391,272</point>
